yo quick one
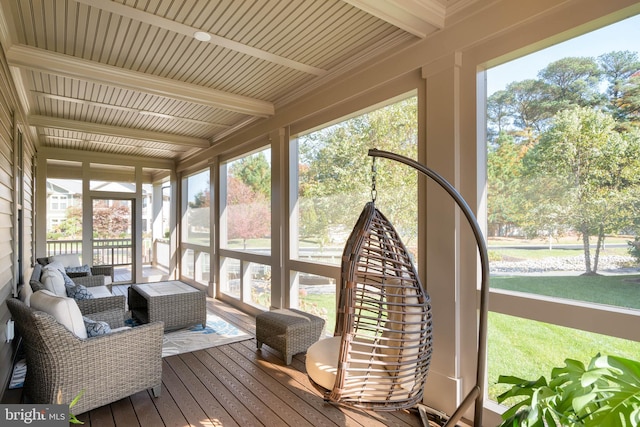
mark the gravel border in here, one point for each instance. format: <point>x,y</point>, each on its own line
<point>609,263</point>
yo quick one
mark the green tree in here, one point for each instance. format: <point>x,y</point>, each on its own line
<point>504,170</point>
<point>199,216</point>
<point>588,170</point>
<point>254,171</point>
<point>629,103</point>
<point>617,69</point>
<point>71,227</point>
<point>525,110</point>
<point>202,199</point>
<point>499,112</point>
<point>573,81</point>
<point>335,172</point>
<point>530,105</point>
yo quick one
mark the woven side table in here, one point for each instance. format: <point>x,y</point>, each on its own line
<point>175,303</point>
<point>289,331</point>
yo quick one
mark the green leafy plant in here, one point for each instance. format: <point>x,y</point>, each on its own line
<point>72,417</point>
<point>604,394</point>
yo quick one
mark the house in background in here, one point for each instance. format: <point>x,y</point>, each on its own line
<point>61,194</point>
<point>169,95</point>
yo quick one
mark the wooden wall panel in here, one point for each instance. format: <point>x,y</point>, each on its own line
<point>28,219</point>
<point>6,217</point>
<point>10,115</point>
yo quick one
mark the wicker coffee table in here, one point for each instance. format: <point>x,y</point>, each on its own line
<point>175,303</point>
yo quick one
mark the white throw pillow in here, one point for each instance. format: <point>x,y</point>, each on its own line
<point>99,291</point>
<point>53,281</point>
<point>67,260</point>
<point>65,310</point>
<point>55,264</point>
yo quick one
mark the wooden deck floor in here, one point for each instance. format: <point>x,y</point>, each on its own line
<point>234,385</point>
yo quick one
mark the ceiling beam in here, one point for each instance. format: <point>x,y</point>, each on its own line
<point>418,17</point>
<point>68,66</point>
<point>66,154</point>
<point>186,30</point>
<point>138,144</point>
<point>116,131</point>
<point>128,109</point>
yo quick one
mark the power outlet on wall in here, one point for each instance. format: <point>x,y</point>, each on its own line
<point>10,331</point>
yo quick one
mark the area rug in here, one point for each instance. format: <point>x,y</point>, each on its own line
<point>17,376</point>
<point>217,332</point>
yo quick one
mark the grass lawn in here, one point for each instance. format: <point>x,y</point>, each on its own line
<point>622,291</point>
<point>322,301</point>
<point>529,349</point>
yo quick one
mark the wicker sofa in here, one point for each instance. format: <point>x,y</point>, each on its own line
<point>73,260</point>
<point>103,300</point>
<point>105,368</point>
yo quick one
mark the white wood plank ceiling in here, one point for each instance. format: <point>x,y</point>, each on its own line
<point>129,77</point>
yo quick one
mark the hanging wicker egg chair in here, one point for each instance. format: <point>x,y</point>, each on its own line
<point>381,350</point>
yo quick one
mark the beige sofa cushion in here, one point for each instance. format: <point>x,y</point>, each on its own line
<point>53,281</point>
<point>402,332</point>
<point>322,367</point>
<point>99,291</point>
<point>65,310</point>
<point>25,294</point>
<point>322,361</point>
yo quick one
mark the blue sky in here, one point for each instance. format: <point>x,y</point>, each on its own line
<point>624,35</point>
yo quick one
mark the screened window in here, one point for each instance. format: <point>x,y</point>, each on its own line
<point>562,173</point>
<point>64,216</point>
<point>246,229</point>
<point>196,219</point>
<point>248,203</point>
<point>334,181</point>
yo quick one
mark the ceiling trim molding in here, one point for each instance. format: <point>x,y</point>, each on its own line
<point>68,66</point>
<point>24,96</point>
<point>116,131</point>
<point>186,30</point>
<point>5,37</point>
<point>418,17</point>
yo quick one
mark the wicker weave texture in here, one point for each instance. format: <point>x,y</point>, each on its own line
<point>110,309</point>
<point>289,331</point>
<point>384,319</point>
<point>107,367</point>
<point>177,310</point>
<point>90,281</point>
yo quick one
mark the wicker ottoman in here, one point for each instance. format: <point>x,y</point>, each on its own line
<point>288,331</point>
<point>175,303</point>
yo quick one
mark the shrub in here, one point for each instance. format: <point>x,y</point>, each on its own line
<point>634,249</point>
